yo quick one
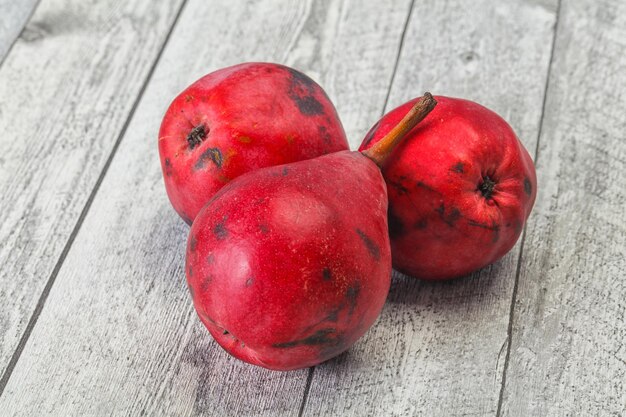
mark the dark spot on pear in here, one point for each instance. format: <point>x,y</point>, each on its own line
<point>453,215</point>
<point>399,187</point>
<point>528,188</point>
<point>333,316</point>
<point>212,154</point>
<point>197,135</point>
<point>326,274</point>
<point>423,185</point>
<point>220,231</point>
<point>285,171</point>
<point>249,282</point>
<point>327,336</point>
<point>190,271</point>
<point>225,332</point>
<point>204,286</point>
<point>193,243</point>
<point>168,167</point>
<point>210,259</point>
<point>450,217</point>
<point>308,105</point>
<point>301,90</point>
<point>494,227</point>
<point>396,228</point>
<point>370,135</point>
<point>301,79</point>
<point>264,229</point>
<point>352,295</point>
<point>323,132</point>
<point>459,167</point>
<point>332,350</point>
<point>481,225</point>
<point>421,224</point>
<point>371,246</point>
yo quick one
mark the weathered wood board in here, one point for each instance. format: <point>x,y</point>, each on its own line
<point>568,351</point>
<point>66,90</point>
<point>118,334</point>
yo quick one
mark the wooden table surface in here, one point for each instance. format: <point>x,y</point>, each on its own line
<point>96,319</point>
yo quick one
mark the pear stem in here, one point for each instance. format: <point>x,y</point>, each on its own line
<point>381,149</point>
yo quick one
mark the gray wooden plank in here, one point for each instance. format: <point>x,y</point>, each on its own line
<point>568,350</point>
<point>66,91</point>
<point>14,14</point>
<point>118,334</point>
<point>438,348</point>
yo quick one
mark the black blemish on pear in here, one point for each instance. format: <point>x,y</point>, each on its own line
<point>326,336</point>
<point>528,188</point>
<point>219,230</point>
<point>421,224</point>
<point>459,167</point>
<point>324,134</point>
<point>371,246</point>
<point>212,154</point>
<point>326,274</point>
<point>168,167</point>
<point>301,91</point>
<point>352,295</point>
<point>197,135</point>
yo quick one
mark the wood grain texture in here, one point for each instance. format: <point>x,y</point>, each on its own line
<point>438,349</point>
<point>66,90</point>
<point>14,15</point>
<point>568,351</point>
<point>118,334</point>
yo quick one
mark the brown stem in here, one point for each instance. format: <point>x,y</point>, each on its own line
<point>381,149</point>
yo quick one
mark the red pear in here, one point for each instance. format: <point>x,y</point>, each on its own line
<point>239,119</point>
<point>289,265</point>
<point>461,186</point>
